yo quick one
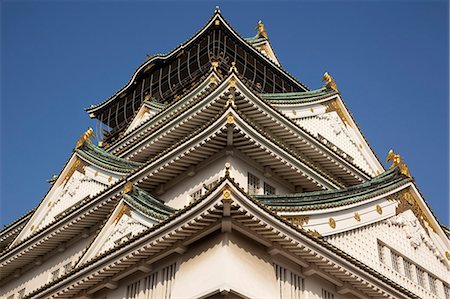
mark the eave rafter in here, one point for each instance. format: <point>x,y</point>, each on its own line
<point>228,208</point>
<point>83,217</point>
<point>190,113</point>
<point>210,138</point>
<point>216,40</point>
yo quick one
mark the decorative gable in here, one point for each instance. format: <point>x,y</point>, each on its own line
<point>334,131</point>
<point>399,248</point>
<point>79,181</point>
<point>124,223</point>
<point>148,110</point>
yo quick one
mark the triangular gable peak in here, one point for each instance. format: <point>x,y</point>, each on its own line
<point>336,211</point>
<point>227,208</point>
<point>88,171</point>
<point>135,212</point>
<point>324,114</point>
<point>212,139</point>
<point>400,248</point>
<point>203,108</point>
<point>216,44</point>
<point>148,121</point>
<point>261,42</point>
<point>148,110</point>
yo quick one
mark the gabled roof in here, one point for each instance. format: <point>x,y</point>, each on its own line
<point>104,159</point>
<point>389,180</point>
<point>149,205</point>
<point>210,208</point>
<point>217,21</point>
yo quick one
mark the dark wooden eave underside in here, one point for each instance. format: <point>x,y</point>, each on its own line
<point>166,77</point>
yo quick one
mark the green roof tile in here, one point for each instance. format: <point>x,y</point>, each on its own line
<point>292,97</point>
<point>148,204</point>
<point>102,158</point>
<point>381,184</point>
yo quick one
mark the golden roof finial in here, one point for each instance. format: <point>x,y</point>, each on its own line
<point>261,29</point>
<point>397,160</point>
<point>329,82</point>
<point>128,188</point>
<point>86,137</point>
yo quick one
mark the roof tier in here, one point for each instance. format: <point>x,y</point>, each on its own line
<point>381,184</point>
<point>166,77</point>
<point>102,158</point>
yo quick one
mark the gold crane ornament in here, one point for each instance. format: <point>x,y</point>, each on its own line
<point>397,160</point>
<point>86,137</point>
<point>329,82</point>
<point>261,29</point>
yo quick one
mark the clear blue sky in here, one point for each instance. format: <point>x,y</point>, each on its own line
<point>389,59</point>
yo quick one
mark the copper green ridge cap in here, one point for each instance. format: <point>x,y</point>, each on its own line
<point>298,96</point>
<point>385,182</point>
<point>255,39</point>
<point>102,158</point>
<point>148,204</point>
<point>305,96</point>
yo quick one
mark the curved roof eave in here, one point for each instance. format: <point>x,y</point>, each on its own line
<point>163,57</point>
<point>389,180</point>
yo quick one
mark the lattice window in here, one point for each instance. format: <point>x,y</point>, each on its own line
<point>420,276</point>
<point>268,189</point>
<point>151,283</point>
<point>395,261</point>
<point>21,294</point>
<point>327,294</point>
<point>168,275</point>
<point>158,285</point>
<point>407,265</point>
<point>210,185</point>
<point>447,291</point>
<point>381,252</point>
<point>67,267</point>
<point>253,184</point>
<point>290,284</point>
<point>197,194</point>
<point>54,275</point>
<point>133,290</point>
<point>432,281</point>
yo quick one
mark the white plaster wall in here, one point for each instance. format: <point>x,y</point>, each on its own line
<point>361,243</point>
<point>34,277</point>
<point>178,195</point>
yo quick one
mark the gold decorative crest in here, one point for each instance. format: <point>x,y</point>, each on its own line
<point>357,216</point>
<point>226,195</point>
<point>332,223</point>
<point>397,160</point>
<point>261,29</point>
<point>379,209</point>
<point>299,221</point>
<point>230,119</point>
<point>329,82</point>
<point>128,188</point>
<point>86,137</point>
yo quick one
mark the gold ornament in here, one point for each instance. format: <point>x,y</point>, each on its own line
<point>329,82</point>
<point>86,137</point>
<point>379,209</point>
<point>332,223</point>
<point>397,160</point>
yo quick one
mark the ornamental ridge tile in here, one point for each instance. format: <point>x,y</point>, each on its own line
<point>102,158</point>
<point>181,46</point>
<point>383,183</point>
<point>177,214</point>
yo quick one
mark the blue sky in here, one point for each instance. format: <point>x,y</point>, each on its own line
<point>389,59</point>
